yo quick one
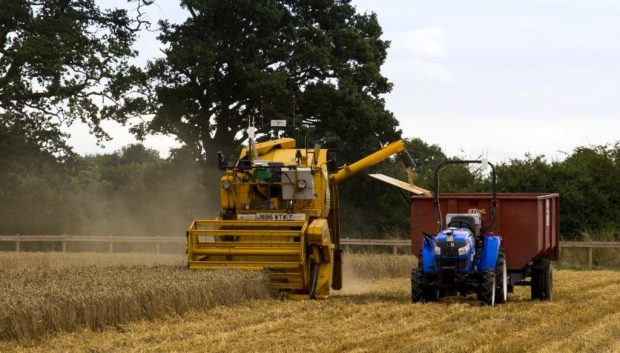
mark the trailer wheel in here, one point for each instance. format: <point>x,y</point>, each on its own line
<point>501,279</point>
<point>542,280</point>
<point>417,285</point>
<point>486,288</point>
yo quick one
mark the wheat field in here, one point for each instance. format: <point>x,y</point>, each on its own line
<point>371,314</point>
<point>47,292</point>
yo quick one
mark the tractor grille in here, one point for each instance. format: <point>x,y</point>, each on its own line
<point>452,263</point>
<point>451,251</point>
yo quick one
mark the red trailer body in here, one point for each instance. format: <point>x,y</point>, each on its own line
<point>528,223</point>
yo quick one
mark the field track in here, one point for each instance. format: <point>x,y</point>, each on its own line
<point>374,316</point>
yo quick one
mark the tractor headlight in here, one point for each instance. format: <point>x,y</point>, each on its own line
<point>463,250</point>
<point>301,184</point>
<point>226,184</point>
<point>437,250</point>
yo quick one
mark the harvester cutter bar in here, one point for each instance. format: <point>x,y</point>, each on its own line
<point>242,265</point>
<point>277,247</point>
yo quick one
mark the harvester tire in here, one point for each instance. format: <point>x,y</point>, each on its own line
<point>542,280</point>
<point>417,285</point>
<point>501,279</point>
<point>486,288</point>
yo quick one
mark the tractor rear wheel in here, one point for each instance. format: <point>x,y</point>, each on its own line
<point>542,280</point>
<point>417,285</point>
<point>486,288</point>
<point>501,279</point>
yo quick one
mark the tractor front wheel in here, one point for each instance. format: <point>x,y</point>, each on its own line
<point>417,285</point>
<point>486,288</point>
<point>420,290</point>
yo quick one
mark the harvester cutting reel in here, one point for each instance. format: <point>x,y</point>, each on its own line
<point>297,256</point>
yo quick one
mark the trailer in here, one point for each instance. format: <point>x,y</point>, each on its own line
<point>528,224</point>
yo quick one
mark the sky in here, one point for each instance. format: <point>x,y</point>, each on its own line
<point>495,77</point>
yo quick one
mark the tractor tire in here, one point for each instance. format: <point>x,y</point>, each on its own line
<point>501,279</point>
<point>420,292</point>
<point>535,284</point>
<point>542,280</point>
<point>417,285</point>
<point>486,288</point>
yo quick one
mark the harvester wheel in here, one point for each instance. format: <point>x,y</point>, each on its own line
<point>501,279</point>
<point>417,285</point>
<point>486,288</point>
<point>542,280</point>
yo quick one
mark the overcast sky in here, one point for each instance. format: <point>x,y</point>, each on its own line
<point>507,77</point>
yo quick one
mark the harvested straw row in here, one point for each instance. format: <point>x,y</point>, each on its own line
<point>34,302</point>
<point>376,266</point>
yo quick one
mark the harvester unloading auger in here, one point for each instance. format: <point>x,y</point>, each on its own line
<point>280,215</point>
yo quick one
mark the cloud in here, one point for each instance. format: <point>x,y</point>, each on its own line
<point>427,43</point>
<point>418,57</point>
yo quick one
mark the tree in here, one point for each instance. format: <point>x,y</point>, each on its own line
<point>58,62</point>
<point>312,63</point>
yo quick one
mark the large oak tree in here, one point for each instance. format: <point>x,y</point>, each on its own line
<point>313,63</point>
<point>58,62</point>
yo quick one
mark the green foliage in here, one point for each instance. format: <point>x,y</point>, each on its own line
<point>131,192</point>
<point>588,181</point>
<point>57,59</point>
<point>307,62</point>
<point>134,191</point>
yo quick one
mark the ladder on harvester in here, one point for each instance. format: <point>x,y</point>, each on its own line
<point>277,247</point>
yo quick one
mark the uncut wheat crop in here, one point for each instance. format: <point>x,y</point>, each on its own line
<point>43,293</point>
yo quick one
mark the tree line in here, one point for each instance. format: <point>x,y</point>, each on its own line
<point>229,64</point>
<point>136,192</point>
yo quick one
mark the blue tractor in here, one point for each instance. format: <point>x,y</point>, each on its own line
<point>462,257</point>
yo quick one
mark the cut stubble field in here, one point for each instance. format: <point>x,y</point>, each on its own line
<point>372,313</point>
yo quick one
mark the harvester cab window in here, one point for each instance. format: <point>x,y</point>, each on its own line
<point>244,163</point>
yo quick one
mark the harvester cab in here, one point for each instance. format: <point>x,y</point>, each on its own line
<point>462,257</point>
<point>279,214</point>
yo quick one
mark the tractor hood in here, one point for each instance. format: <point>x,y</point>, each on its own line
<point>454,242</point>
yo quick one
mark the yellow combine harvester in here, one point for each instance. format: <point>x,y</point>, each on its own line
<point>280,215</point>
